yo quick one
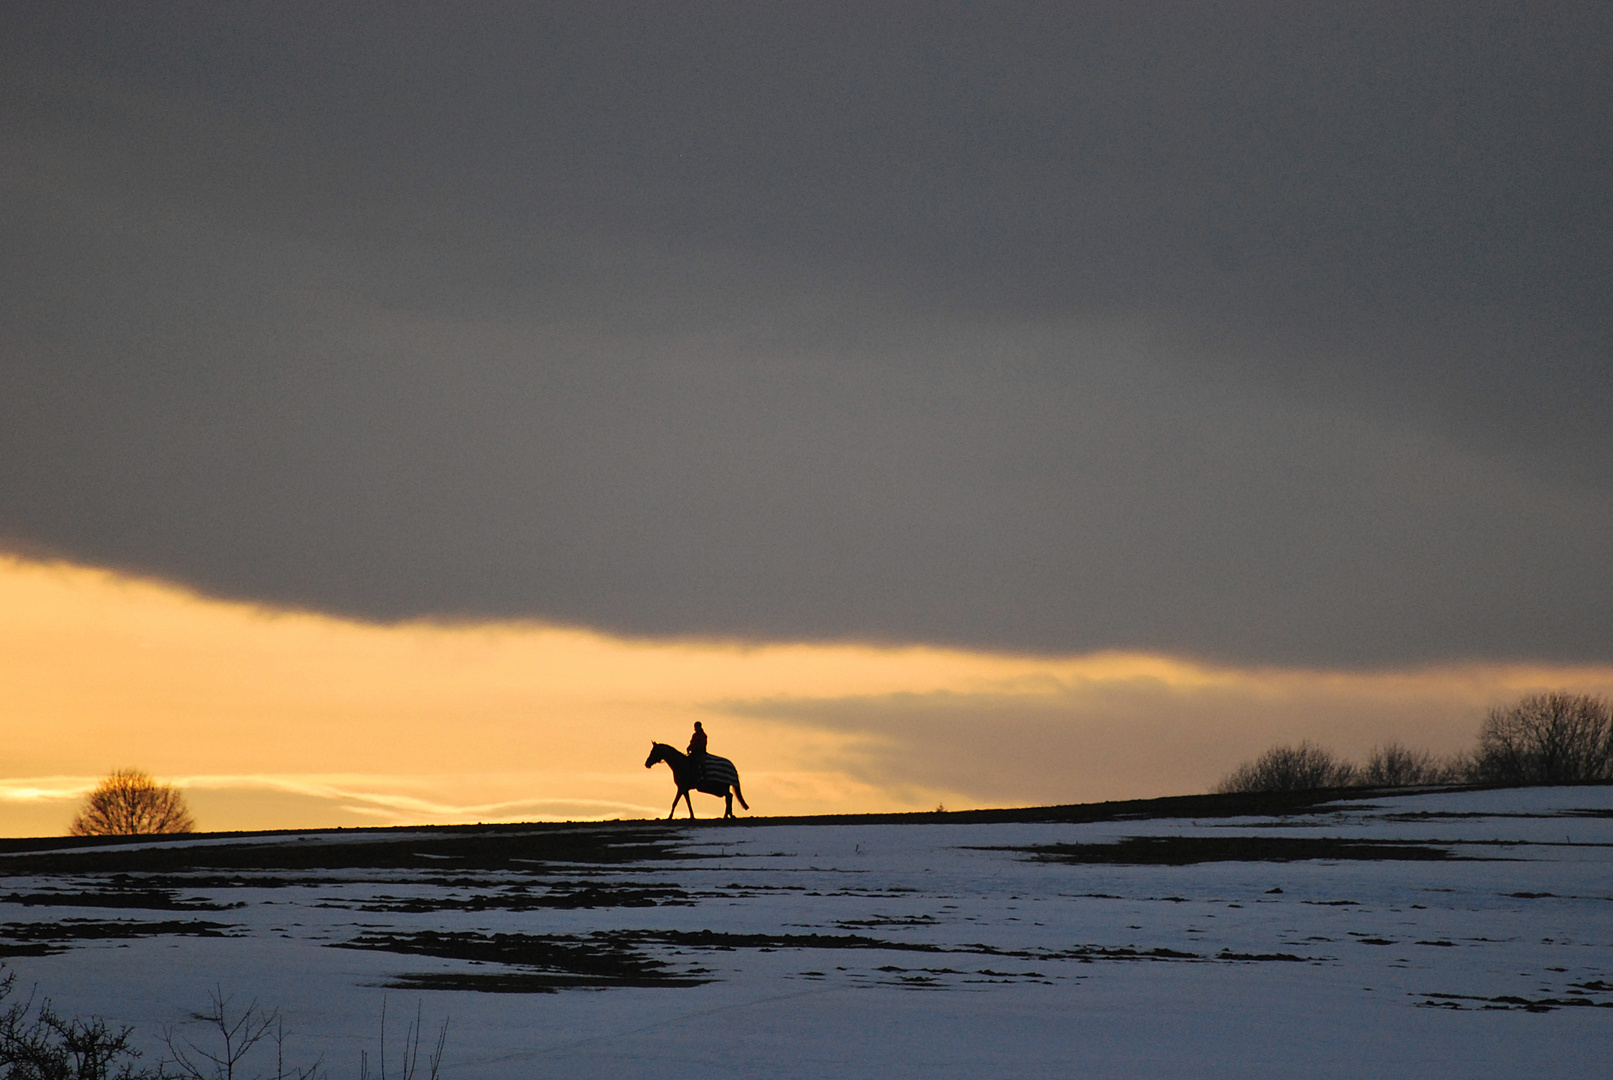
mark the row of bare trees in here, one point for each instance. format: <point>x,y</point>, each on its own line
<point>1556,738</point>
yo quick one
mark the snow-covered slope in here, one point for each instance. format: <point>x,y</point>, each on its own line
<point>1440,934</point>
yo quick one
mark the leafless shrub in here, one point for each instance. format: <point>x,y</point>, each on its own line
<point>48,1046</point>
<point>1555,738</point>
<point>1395,765</point>
<point>1289,768</point>
<point>231,1035</point>
<point>411,1050</point>
<point>131,803</point>
<point>1458,768</point>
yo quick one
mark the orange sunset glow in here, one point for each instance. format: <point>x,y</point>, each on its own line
<point>290,719</point>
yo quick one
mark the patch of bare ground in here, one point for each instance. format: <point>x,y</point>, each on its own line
<point>47,938</point>
<point>567,896</point>
<point>1185,850</point>
<point>530,849</point>
<point>539,963</point>
<point>1508,1003</point>
<point>544,963</point>
<point>136,896</point>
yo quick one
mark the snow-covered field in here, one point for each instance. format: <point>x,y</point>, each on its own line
<point>1464,934</point>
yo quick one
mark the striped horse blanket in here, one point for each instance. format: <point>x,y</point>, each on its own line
<point>717,774</point>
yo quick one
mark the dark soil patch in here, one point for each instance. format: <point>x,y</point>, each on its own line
<point>524,982</point>
<point>1127,952</point>
<point>147,899</point>
<point>710,939</point>
<point>118,928</point>
<point>1510,1003</point>
<point>47,938</point>
<point>601,959</point>
<point>35,948</point>
<point>1284,957</point>
<point>574,896</point>
<point>525,849</point>
<point>618,958</point>
<point>1185,850</point>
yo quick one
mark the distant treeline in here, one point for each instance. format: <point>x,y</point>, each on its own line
<point>1557,738</point>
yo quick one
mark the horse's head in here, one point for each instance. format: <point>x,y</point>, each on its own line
<point>657,753</point>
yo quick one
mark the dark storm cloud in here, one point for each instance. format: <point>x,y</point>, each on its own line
<point>1228,330</point>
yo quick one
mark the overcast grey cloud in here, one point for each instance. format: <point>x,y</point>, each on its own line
<point>1234,330</point>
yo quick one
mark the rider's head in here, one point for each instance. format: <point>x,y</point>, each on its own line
<point>697,726</point>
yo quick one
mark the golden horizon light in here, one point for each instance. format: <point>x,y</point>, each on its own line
<point>292,719</point>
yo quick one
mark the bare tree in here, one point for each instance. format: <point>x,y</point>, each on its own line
<point>1555,738</point>
<point>237,1032</point>
<point>1290,768</point>
<point>131,803</point>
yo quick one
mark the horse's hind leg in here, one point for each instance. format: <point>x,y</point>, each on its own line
<point>728,805</point>
<point>741,796</point>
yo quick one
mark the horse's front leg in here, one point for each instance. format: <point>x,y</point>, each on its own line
<point>680,795</point>
<point>689,802</point>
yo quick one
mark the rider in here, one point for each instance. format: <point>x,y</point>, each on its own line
<point>697,749</point>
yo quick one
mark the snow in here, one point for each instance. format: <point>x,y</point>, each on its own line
<point>982,960</point>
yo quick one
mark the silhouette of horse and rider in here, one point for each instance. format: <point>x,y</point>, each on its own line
<point>698,771</point>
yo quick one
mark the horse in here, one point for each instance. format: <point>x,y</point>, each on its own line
<point>721,778</point>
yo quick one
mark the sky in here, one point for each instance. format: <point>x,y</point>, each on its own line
<point>981,346</point>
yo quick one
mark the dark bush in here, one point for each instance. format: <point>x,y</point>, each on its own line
<point>1395,765</point>
<point>1555,738</point>
<point>1290,768</point>
<point>48,1046</point>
